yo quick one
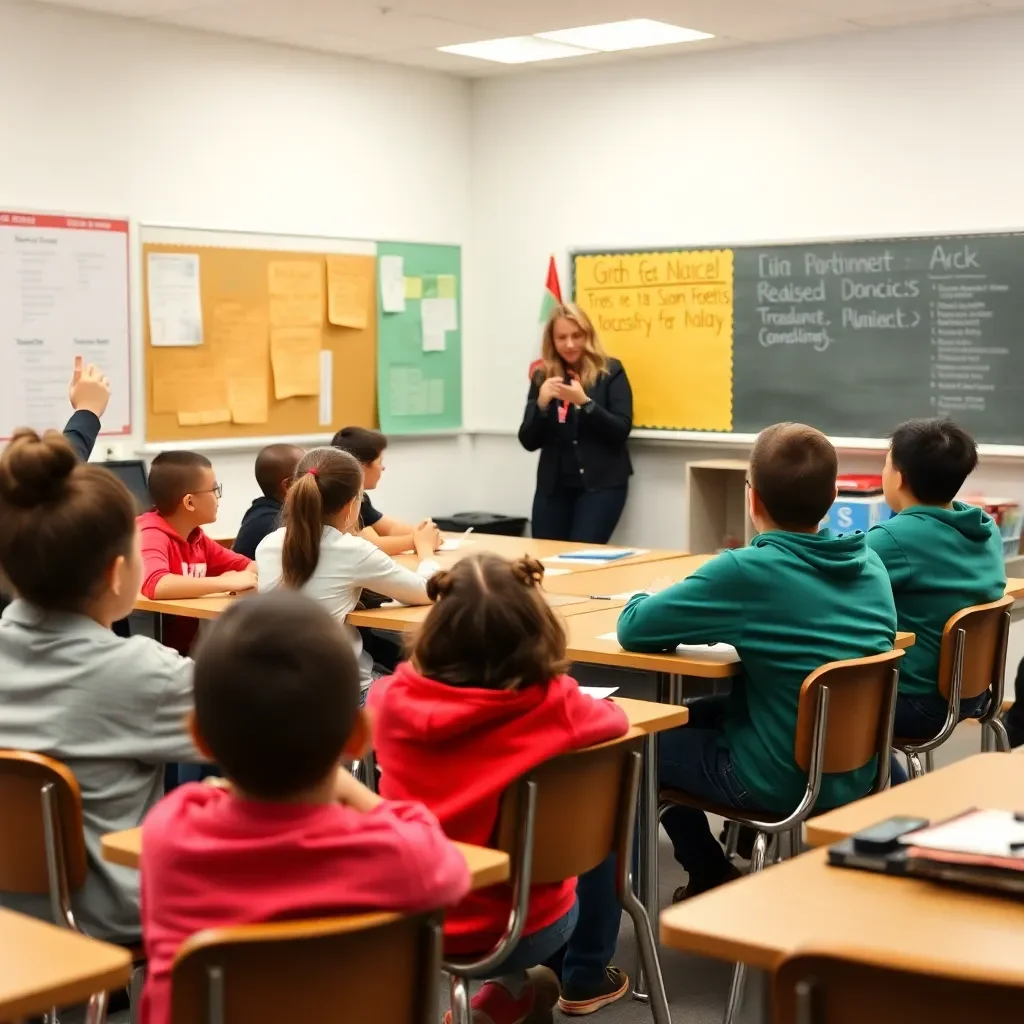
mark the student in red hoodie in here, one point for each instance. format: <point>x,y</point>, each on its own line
<point>179,559</point>
<point>483,700</point>
<point>277,706</point>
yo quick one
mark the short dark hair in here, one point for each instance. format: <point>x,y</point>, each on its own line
<point>491,628</point>
<point>173,475</point>
<point>935,457</point>
<point>275,464</point>
<point>62,522</point>
<point>276,693</point>
<point>365,444</point>
<point>793,468</point>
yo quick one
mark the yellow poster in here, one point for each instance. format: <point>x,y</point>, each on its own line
<point>241,342</point>
<point>669,318</point>
<point>296,293</point>
<point>349,287</point>
<point>295,358</point>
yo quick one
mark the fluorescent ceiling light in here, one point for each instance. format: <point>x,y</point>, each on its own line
<point>625,35</point>
<point>516,50</point>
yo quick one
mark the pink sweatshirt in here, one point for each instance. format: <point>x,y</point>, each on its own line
<point>210,860</point>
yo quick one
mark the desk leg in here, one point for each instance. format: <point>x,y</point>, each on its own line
<point>647,828</point>
<point>158,627</point>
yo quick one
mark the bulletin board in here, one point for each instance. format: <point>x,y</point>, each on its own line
<point>288,330</point>
<point>419,366</point>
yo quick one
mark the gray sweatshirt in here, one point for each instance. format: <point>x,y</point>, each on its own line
<point>113,710</point>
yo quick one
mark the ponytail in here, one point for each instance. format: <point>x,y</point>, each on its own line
<point>326,480</point>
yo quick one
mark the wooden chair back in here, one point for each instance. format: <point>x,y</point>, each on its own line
<point>809,989</point>
<point>23,864</point>
<point>862,703</point>
<point>382,968</point>
<point>986,632</point>
<point>573,832</point>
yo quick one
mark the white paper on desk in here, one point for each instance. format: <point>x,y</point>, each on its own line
<point>687,648</point>
<point>981,833</point>
<point>556,572</point>
<point>454,543</point>
<point>392,284</point>
<point>626,595</point>
<point>599,556</point>
<point>599,692</point>
<point>175,310</point>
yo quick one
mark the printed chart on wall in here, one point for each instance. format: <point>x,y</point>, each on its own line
<point>419,347</point>
<point>668,317</point>
<point>64,288</point>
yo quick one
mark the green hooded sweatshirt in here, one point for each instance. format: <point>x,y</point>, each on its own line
<point>939,561</point>
<point>789,603</point>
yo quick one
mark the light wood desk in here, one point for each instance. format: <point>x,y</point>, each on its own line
<point>803,903</point>
<point>984,780</point>
<point>486,867</point>
<point>1014,588</point>
<point>618,579</point>
<point>188,608</point>
<point>42,966</point>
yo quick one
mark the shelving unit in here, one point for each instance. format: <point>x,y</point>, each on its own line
<point>717,498</point>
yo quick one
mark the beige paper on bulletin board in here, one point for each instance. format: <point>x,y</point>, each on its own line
<point>188,390</point>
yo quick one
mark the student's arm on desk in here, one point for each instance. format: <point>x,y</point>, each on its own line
<point>170,587</point>
<point>395,544</point>
<point>704,608</point>
<point>888,549</point>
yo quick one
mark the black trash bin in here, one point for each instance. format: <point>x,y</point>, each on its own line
<point>483,522</point>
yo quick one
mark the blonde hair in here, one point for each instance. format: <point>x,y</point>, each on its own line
<point>594,360</point>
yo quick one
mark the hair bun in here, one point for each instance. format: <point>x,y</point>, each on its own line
<point>528,571</point>
<point>34,470</point>
<point>440,585</point>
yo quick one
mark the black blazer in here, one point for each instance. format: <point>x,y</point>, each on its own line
<point>602,429</point>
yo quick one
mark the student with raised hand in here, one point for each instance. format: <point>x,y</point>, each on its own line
<point>483,699</point>
<point>794,600</point>
<point>293,836</point>
<point>942,555</point>
<point>317,552</point>
<point>392,536</point>
<point>89,393</point>
<point>111,709</point>
<point>275,468</point>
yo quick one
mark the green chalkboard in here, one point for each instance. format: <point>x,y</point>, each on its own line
<point>856,336</point>
<point>419,374</point>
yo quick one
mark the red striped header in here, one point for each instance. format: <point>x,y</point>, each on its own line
<point>49,220</point>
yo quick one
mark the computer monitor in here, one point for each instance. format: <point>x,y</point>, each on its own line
<point>132,473</point>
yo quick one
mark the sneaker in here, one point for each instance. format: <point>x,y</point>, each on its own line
<point>494,1004</point>
<point>691,889</point>
<point>546,991</point>
<point>578,1003</point>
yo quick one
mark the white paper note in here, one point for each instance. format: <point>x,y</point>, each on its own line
<point>175,309</point>
<point>436,318</point>
<point>599,692</point>
<point>326,387</point>
<point>716,649</point>
<point>392,284</point>
<point>556,572</point>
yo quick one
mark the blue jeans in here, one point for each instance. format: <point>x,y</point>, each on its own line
<point>693,759</point>
<point>581,963</point>
<point>539,947</point>
<point>921,718</point>
<point>573,513</point>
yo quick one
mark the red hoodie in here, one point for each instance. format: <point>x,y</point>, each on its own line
<point>165,552</point>
<point>457,750</point>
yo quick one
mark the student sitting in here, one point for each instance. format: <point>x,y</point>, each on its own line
<point>179,559</point>
<point>111,709</point>
<point>483,700</point>
<point>295,836</point>
<point>794,600</point>
<point>316,551</point>
<point>275,467</point>
<point>941,555</point>
<point>391,535</point>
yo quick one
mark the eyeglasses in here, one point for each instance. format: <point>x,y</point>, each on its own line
<point>218,491</point>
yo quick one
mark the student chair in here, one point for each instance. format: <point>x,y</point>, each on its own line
<point>42,846</point>
<point>844,719</point>
<point>379,968</point>
<point>972,661</point>
<point>559,821</point>
<point>834,989</point>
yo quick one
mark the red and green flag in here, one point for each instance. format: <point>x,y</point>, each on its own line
<point>552,292</point>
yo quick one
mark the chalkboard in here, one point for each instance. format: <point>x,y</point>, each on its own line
<point>852,337</point>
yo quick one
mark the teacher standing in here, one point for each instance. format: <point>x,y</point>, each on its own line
<point>579,414</point>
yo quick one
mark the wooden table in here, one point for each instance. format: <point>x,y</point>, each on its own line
<point>984,780</point>
<point>618,579</point>
<point>1014,588</point>
<point>805,904</point>
<point>42,966</point>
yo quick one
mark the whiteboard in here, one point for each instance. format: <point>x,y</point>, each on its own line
<point>64,288</point>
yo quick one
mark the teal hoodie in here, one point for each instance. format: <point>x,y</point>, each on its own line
<point>789,603</point>
<point>939,560</point>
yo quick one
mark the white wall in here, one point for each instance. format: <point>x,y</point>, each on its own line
<point>901,131</point>
<point>108,116</point>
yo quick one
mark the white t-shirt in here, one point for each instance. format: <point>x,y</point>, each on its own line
<point>347,564</point>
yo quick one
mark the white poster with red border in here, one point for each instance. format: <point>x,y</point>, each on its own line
<point>63,292</point>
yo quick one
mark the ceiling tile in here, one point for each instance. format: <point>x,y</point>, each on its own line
<point>861,10</point>
<point>126,8</point>
<point>951,11</point>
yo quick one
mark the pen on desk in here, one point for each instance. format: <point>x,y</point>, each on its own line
<point>601,597</point>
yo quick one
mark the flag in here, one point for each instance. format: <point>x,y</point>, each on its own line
<point>552,292</point>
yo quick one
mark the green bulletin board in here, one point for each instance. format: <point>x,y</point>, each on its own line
<point>418,390</point>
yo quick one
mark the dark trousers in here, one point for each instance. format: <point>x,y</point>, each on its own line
<point>572,513</point>
<point>1014,718</point>
<point>922,718</point>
